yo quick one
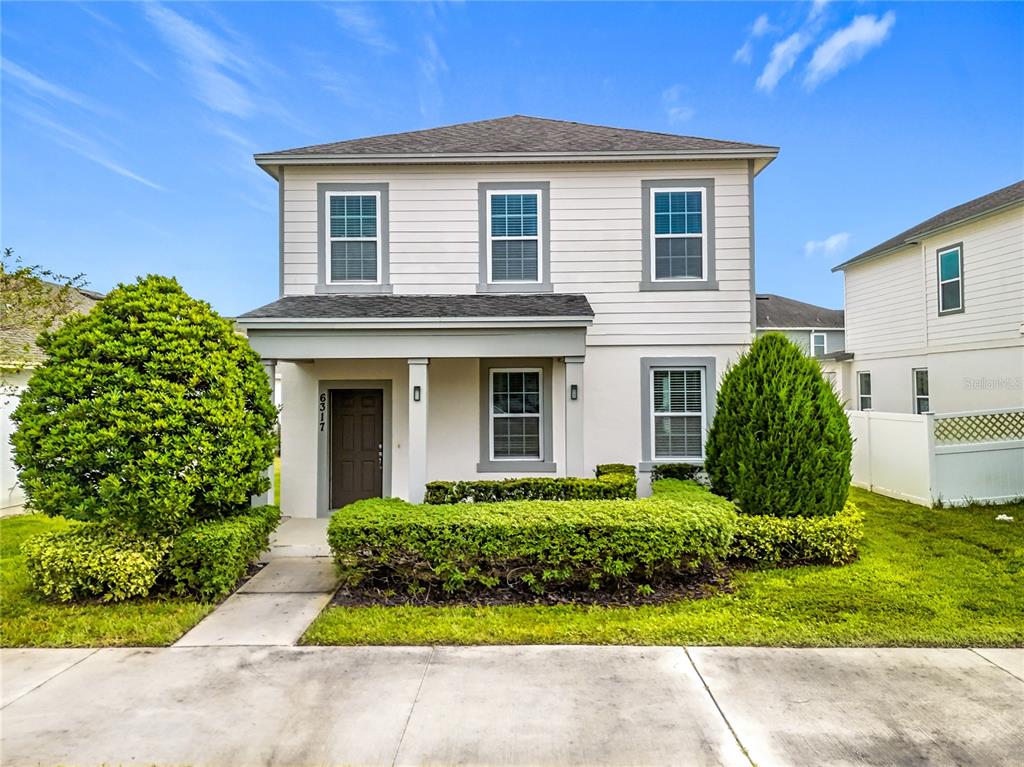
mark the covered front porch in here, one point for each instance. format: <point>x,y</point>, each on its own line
<point>379,406</point>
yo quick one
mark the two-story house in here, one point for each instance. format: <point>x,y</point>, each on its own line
<point>935,315</point>
<point>509,297</point>
<point>815,329</point>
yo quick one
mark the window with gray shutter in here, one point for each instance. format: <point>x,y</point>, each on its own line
<point>678,413</point>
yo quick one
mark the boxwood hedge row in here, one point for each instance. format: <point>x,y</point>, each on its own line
<point>606,486</point>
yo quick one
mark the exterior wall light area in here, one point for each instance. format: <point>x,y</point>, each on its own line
<point>416,393</point>
<point>574,392</point>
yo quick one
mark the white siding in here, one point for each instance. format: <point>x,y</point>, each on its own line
<point>596,232</point>
<point>885,304</point>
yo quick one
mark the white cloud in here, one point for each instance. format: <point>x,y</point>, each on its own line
<point>745,53</point>
<point>36,86</point>
<point>830,246</point>
<point>675,110</point>
<point>361,25</point>
<point>762,26</point>
<point>430,65</point>
<point>817,7</point>
<point>782,59</point>
<point>847,46</point>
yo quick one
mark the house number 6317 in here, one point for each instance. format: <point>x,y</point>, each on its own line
<point>323,408</point>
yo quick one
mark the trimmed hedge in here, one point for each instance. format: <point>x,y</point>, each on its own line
<point>539,545</point>
<point>208,560</point>
<point>94,560</point>
<point>763,539</point>
<point>604,469</point>
<point>608,486</point>
<point>675,471</point>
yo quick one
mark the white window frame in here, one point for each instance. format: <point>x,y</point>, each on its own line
<point>959,279</point>
<point>703,234</point>
<point>491,415</point>
<point>539,237</point>
<point>653,415</point>
<point>860,390</point>
<point>327,233</point>
<point>824,342</point>
<point>917,396</point>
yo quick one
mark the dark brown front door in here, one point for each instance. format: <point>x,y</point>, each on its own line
<point>357,444</point>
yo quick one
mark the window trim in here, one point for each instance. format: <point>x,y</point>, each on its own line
<point>491,415</point>
<point>654,236</point>
<point>824,343</point>
<point>328,196</point>
<point>917,397</point>
<point>323,284</point>
<point>655,415</point>
<point>939,282</point>
<point>539,237</point>
<point>647,280</point>
<point>647,365</point>
<point>860,388</point>
<point>488,464</point>
<point>485,189</point>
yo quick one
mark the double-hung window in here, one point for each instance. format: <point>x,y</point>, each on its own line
<point>514,236</point>
<point>353,238</point>
<point>951,281</point>
<point>864,390</point>
<point>819,344</point>
<point>516,407</point>
<point>678,413</point>
<point>678,232</point>
<point>921,403</point>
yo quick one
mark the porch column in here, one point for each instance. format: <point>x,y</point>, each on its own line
<point>417,428</point>
<point>267,498</point>
<point>574,417</point>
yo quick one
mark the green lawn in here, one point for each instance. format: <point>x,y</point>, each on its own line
<point>27,620</point>
<point>924,577</point>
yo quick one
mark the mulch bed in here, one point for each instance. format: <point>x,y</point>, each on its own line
<point>704,583</point>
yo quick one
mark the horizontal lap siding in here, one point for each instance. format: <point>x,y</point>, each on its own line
<point>596,232</point>
<point>885,304</point>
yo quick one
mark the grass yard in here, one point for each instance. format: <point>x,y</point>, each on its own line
<point>27,620</point>
<point>924,577</point>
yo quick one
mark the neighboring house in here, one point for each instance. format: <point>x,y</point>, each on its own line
<point>11,386</point>
<point>935,315</point>
<point>509,297</point>
<point>815,329</point>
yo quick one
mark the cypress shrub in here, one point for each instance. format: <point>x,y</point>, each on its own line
<point>780,443</point>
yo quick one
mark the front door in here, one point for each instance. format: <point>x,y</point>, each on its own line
<point>357,445</point>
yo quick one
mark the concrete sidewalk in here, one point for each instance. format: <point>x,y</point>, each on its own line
<point>229,706</point>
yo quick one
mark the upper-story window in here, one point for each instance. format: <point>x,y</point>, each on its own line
<point>951,279</point>
<point>819,344</point>
<point>514,236</point>
<point>678,234</point>
<point>354,237</point>
<point>678,244</point>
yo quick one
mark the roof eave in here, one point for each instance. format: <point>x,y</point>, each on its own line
<point>408,323</point>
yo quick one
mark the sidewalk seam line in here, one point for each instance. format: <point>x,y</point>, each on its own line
<point>415,700</point>
<point>59,673</point>
<point>721,713</point>
<point>989,660</point>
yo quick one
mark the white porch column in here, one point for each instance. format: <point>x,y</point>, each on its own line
<point>574,417</point>
<point>267,498</point>
<point>417,428</point>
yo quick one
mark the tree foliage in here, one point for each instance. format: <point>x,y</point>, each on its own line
<point>149,412</point>
<point>780,442</point>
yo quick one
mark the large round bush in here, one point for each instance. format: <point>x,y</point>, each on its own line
<point>150,412</point>
<point>780,442</point>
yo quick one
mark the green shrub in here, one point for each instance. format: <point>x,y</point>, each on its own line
<point>780,442</point>
<point>149,411</point>
<point>208,560</point>
<point>604,469</point>
<point>675,471</point>
<point>92,560</point>
<point>607,486</point>
<point>539,545</point>
<point>769,540</point>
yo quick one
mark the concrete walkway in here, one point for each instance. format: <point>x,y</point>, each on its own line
<point>230,706</point>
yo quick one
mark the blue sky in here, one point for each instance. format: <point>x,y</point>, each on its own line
<point>128,129</point>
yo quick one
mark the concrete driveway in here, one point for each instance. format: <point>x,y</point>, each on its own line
<point>306,706</point>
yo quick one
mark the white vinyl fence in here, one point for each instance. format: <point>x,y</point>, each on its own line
<point>948,459</point>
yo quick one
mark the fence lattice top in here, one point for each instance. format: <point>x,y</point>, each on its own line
<point>979,427</point>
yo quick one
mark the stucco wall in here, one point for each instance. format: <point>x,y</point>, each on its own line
<point>11,496</point>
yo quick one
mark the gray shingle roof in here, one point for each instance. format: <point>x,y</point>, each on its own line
<point>781,312</point>
<point>521,134</point>
<point>22,340</point>
<point>408,307</point>
<point>989,203</point>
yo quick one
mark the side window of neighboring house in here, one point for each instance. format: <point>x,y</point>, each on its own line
<point>353,238</point>
<point>951,279</point>
<point>921,403</point>
<point>819,344</point>
<point>514,236</point>
<point>516,408</point>
<point>678,230</point>
<point>678,413</point>
<point>864,390</point>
